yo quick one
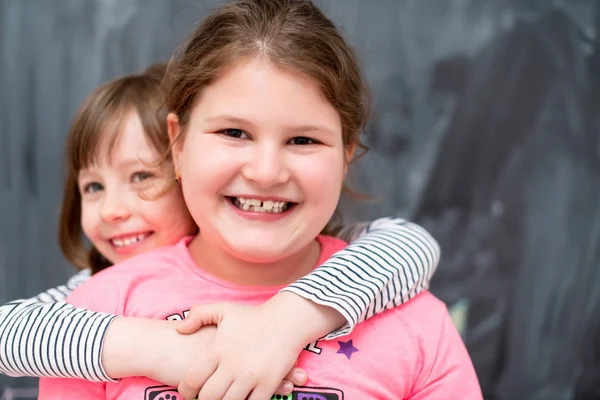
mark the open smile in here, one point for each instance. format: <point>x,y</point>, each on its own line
<point>128,240</point>
<point>260,205</point>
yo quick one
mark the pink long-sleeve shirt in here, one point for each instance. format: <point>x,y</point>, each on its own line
<point>410,352</point>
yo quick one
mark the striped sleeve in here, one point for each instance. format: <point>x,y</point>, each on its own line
<point>386,264</point>
<point>46,337</point>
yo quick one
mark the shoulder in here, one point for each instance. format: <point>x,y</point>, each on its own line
<point>424,319</point>
<point>104,290</point>
<point>424,308</point>
<point>146,263</point>
<point>425,315</point>
<point>330,245</point>
<point>442,362</point>
<point>422,345</point>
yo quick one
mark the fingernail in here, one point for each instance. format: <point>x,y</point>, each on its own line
<point>299,376</point>
<point>288,387</point>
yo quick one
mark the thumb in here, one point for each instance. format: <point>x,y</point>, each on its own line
<point>201,315</point>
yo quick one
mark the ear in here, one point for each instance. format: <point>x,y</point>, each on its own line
<point>176,146</point>
<point>349,154</point>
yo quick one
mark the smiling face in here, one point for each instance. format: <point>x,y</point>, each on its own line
<point>262,162</point>
<point>120,212</point>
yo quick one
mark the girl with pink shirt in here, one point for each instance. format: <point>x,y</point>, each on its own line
<point>266,106</point>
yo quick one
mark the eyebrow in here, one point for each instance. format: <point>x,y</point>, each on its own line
<point>84,173</point>
<point>242,121</point>
<point>127,163</point>
<point>132,161</point>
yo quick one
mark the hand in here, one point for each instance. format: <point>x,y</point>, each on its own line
<point>154,348</point>
<point>187,350</point>
<point>173,354</point>
<point>253,350</point>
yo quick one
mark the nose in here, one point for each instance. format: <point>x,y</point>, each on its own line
<point>267,166</point>
<point>114,208</point>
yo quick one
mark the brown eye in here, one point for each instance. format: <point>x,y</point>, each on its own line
<point>234,133</point>
<point>302,141</point>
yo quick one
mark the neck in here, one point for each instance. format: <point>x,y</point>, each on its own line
<point>215,260</point>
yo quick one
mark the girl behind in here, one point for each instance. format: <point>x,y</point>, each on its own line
<point>114,179</point>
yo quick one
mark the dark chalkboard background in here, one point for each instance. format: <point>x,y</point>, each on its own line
<point>486,130</point>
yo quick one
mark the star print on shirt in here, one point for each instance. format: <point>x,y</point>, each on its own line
<point>346,348</point>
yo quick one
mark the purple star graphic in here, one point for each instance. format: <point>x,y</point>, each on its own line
<point>346,348</point>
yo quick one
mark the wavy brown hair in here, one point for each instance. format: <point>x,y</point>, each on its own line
<point>93,134</point>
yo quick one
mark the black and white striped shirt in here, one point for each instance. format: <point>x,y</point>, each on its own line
<point>387,263</point>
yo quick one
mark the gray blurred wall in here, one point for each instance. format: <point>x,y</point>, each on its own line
<point>485,129</point>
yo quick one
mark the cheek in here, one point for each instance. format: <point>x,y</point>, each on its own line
<point>207,165</point>
<point>89,220</point>
<point>322,176</point>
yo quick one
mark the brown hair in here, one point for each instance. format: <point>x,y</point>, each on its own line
<point>291,34</point>
<point>95,128</point>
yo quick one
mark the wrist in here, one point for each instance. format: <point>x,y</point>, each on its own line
<point>131,346</point>
<point>305,319</point>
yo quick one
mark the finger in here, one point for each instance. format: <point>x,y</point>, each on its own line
<point>286,387</point>
<point>216,386</point>
<point>297,376</point>
<point>196,377</point>
<point>239,390</point>
<point>200,315</point>
<point>261,393</point>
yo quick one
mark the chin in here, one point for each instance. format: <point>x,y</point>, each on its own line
<point>262,253</point>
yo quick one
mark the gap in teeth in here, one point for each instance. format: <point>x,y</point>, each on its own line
<point>260,206</point>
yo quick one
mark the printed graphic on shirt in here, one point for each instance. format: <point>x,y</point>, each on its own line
<point>311,393</point>
<point>161,393</point>
<point>347,348</point>
<point>177,316</point>
<point>299,393</point>
<point>314,347</point>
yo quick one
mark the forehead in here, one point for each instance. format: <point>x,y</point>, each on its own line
<point>128,141</point>
<point>257,90</point>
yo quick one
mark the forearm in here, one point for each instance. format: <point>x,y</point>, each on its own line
<point>153,348</point>
<point>23,351</point>
<point>389,263</point>
<point>303,317</point>
<point>38,339</point>
<point>131,345</point>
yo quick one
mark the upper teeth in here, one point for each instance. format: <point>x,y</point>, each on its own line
<point>261,206</point>
<point>127,241</point>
